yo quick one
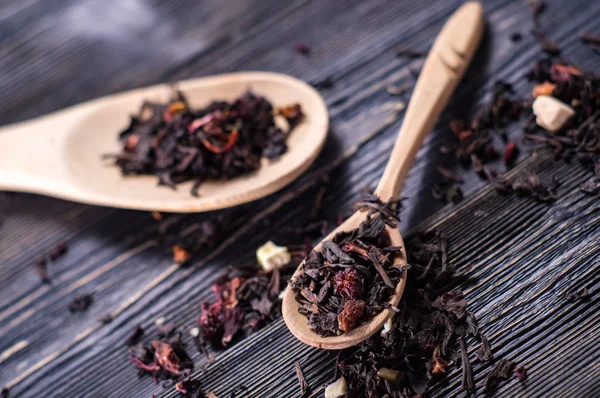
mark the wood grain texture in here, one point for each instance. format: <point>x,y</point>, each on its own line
<point>56,54</point>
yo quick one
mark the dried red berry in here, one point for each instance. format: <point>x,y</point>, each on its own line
<point>351,313</point>
<point>348,284</point>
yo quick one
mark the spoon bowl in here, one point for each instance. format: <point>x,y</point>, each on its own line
<point>61,154</point>
<point>445,65</point>
<point>307,335</point>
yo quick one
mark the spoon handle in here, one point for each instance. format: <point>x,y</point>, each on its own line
<point>445,65</point>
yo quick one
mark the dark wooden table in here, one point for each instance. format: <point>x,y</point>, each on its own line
<point>523,255</point>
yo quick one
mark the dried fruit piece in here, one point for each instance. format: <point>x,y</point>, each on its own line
<point>337,388</point>
<point>551,113</point>
<point>387,327</point>
<point>388,374</point>
<point>156,215</point>
<point>270,256</point>
<point>350,314</point>
<point>58,251</point>
<point>166,357</point>
<point>348,283</point>
<point>181,255</point>
<point>439,364</point>
<point>545,88</point>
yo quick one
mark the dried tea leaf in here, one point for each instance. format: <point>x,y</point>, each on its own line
<point>503,370</point>
<point>304,386</point>
<point>81,303</point>
<point>135,336</point>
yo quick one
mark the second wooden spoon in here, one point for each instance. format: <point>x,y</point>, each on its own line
<point>446,63</point>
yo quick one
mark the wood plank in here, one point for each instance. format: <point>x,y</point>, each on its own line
<point>144,286</point>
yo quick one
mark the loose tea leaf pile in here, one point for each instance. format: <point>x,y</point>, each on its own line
<point>221,141</point>
<point>245,301</point>
<point>353,277</point>
<point>552,76</point>
<point>425,339</point>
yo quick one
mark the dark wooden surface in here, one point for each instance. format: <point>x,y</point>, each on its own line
<point>523,255</point>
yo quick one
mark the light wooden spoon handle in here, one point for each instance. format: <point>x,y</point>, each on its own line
<point>445,65</point>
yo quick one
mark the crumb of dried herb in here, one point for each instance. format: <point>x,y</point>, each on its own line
<point>398,90</point>
<point>302,48</point>
<point>106,318</point>
<point>188,386</point>
<point>156,215</point>
<point>58,251</point>
<point>401,51</point>
<point>181,255</point>
<point>81,302</point>
<point>41,266</point>
<point>515,37</point>
<point>135,336</point>
<point>324,84</point>
<point>591,187</point>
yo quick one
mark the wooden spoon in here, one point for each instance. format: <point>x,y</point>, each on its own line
<point>446,63</point>
<point>60,154</point>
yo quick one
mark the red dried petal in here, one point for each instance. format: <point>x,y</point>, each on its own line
<point>166,357</point>
<point>232,139</point>
<point>211,321</point>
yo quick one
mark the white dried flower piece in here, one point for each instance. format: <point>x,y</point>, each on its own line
<point>337,388</point>
<point>551,113</point>
<point>388,374</point>
<point>160,321</point>
<point>270,256</point>
<point>195,332</point>
<point>387,327</point>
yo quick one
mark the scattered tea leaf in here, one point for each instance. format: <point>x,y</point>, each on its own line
<point>578,295</point>
<point>503,370</point>
<point>106,318</point>
<point>401,51</point>
<point>135,336</point>
<point>304,387</point>
<point>81,303</point>
<point>58,251</point>
<point>302,48</point>
<point>221,141</point>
